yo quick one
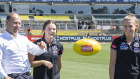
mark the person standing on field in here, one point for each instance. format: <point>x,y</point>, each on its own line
<point>14,48</point>
<point>48,64</point>
<point>125,51</point>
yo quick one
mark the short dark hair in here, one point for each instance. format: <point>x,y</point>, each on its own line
<point>8,17</point>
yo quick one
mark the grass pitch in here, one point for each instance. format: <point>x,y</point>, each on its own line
<point>76,66</point>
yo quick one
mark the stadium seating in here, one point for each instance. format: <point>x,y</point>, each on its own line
<point>24,17</point>
<point>53,17</point>
<point>48,17</point>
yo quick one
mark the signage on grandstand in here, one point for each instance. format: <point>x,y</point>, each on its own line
<point>102,38</point>
<point>97,1</point>
<point>33,38</point>
<point>76,38</point>
<point>68,38</point>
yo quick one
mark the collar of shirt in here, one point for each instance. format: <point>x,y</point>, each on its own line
<point>136,37</point>
<point>53,42</point>
<point>8,35</point>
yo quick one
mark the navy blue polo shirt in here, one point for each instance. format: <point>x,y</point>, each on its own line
<point>128,58</point>
<point>53,51</point>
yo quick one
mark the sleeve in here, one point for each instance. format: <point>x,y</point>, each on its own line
<point>34,49</point>
<point>2,72</point>
<point>114,45</point>
<point>60,49</point>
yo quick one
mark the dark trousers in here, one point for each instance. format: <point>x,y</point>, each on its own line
<point>26,75</point>
<point>55,77</point>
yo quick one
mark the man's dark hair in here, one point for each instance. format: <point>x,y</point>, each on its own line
<point>8,17</point>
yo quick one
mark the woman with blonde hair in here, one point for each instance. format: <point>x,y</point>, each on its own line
<point>125,51</point>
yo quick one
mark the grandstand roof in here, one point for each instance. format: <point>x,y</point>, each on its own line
<point>95,1</point>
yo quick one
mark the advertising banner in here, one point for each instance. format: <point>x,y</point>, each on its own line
<point>33,38</point>
<point>114,37</point>
<point>102,38</point>
<point>68,38</point>
<point>74,38</point>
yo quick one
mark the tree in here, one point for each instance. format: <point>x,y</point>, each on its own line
<point>105,10</point>
<point>116,11</point>
<point>53,11</point>
<point>40,12</point>
<point>122,12</point>
<point>92,10</point>
<point>2,8</point>
<point>80,12</point>
<point>70,11</point>
<point>35,11</point>
<point>131,9</point>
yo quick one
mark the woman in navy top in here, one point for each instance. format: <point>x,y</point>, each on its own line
<point>125,51</point>
<point>48,65</point>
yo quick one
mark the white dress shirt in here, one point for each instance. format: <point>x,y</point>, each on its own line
<point>14,54</point>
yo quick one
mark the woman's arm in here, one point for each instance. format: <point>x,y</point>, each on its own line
<point>113,56</point>
<point>34,63</point>
<point>39,62</point>
<point>59,63</point>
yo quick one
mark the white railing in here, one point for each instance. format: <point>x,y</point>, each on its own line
<point>66,25</point>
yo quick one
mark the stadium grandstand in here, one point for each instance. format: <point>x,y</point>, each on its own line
<point>94,16</point>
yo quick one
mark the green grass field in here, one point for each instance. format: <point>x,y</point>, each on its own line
<point>76,66</point>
